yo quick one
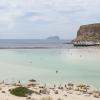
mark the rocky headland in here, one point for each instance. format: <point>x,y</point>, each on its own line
<point>88,34</point>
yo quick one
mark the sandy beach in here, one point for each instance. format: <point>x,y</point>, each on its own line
<point>42,92</point>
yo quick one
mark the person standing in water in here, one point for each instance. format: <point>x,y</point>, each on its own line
<point>56,71</point>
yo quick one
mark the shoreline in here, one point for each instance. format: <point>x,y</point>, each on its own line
<point>68,91</point>
<point>54,92</point>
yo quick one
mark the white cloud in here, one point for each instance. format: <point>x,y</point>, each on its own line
<point>65,13</point>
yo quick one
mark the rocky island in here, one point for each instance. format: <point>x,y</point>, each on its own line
<point>53,38</point>
<point>88,35</point>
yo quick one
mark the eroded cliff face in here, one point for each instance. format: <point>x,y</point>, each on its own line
<point>89,32</point>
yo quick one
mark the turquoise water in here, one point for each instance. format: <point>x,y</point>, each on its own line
<point>73,65</point>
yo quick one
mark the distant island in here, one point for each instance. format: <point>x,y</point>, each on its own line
<point>53,38</point>
<point>88,35</point>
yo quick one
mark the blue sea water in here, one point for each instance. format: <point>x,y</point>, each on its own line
<point>75,65</point>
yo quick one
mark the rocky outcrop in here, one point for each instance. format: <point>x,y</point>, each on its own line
<point>89,32</point>
<point>53,38</point>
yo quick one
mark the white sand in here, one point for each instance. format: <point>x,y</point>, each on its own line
<point>73,96</point>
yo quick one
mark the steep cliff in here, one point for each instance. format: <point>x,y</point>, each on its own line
<point>89,32</point>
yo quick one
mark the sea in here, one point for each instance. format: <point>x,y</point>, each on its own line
<point>49,62</point>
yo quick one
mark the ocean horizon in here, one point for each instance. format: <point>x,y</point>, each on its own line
<point>33,43</point>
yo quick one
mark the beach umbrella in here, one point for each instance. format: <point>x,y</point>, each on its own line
<point>32,82</point>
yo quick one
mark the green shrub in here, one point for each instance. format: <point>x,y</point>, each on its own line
<point>21,91</point>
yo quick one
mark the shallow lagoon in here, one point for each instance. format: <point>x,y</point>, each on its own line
<point>73,65</point>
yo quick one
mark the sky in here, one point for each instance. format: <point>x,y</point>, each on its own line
<point>35,19</point>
